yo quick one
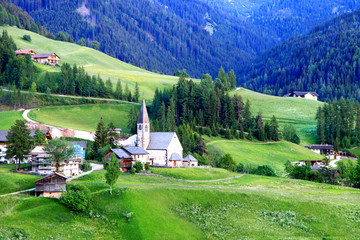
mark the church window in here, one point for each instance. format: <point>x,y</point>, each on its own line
<point>146,128</point>
<point>139,127</point>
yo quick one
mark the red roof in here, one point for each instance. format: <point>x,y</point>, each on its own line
<point>26,51</point>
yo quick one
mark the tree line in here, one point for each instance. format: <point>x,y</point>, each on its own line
<point>338,123</point>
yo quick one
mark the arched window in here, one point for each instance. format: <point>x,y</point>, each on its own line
<point>139,127</point>
<point>146,128</point>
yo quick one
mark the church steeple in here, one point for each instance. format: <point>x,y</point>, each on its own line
<point>143,127</point>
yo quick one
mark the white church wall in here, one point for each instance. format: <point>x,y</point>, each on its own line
<point>159,157</point>
<point>175,147</point>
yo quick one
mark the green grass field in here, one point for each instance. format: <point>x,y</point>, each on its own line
<point>168,209</point>
<point>195,173</point>
<point>94,62</point>
<point>12,182</point>
<point>84,117</point>
<point>300,112</point>
<point>274,154</point>
<point>8,118</point>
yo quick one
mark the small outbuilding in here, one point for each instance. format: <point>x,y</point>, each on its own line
<point>51,186</point>
<point>190,161</point>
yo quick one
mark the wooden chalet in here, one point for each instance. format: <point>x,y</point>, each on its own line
<point>25,52</point>
<point>127,156</point>
<point>51,185</point>
<point>50,58</point>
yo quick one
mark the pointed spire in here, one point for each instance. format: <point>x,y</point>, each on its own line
<point>143,116</point>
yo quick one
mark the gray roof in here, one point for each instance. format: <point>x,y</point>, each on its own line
<point>43,55</point>
<point>135,150</point>
<point>190,158</point>
<point>175,157</point>
<point>4,133</point>
<point>121,153</point>
<point>82,144</point>
<point>298,93</point>
<point>143,115</point>
<point>160,140</point>
<point>320,147</point>
<point>54,173</point>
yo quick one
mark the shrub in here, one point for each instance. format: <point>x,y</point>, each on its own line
<point>26,38</point>
<point>76,198</point>
<point>147,166</point>
<point>132,171</point>
<point>227,162</point>
<point>240,168</point>
<point>86,166</point>
<point>265,170</point>
<point>138,166</point>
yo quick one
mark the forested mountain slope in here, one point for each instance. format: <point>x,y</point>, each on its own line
<point>159,35</point>
<point>327,61</point>
<point>196,35</point>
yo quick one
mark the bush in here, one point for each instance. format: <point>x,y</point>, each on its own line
<point>147,166</point>
<point>132,171</point>
<point>227,162</point>
<point>138,166</point>
<point>86,167</point>
<point>76,198</point>
<point>265,170</point>
<point>26,38</point>
<point>240,168</point>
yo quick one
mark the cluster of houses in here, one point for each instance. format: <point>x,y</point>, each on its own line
<point>42,58</point>
<point>41,161</point>
<point>306,95</point>
<point>158,149</point>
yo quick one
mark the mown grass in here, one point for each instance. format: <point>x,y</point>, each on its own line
<point>8,119</point>
<point>84,117</point>
<point>94,62</point>
<point>12,182</point>
<point>195,173</point>
<point>274,154</point>
<point>300,112</point>
<point>164,209</point>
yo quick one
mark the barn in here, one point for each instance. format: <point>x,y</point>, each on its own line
<point>51,186</point>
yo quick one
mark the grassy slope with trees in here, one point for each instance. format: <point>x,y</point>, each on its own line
<point>156,208</point>
<point>94,62</point>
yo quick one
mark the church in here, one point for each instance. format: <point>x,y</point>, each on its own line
<point>159,149</point>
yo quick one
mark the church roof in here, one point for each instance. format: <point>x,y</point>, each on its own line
<point>143,116</point>
<point>190,158</point>
<point>175,157</point>
<point>136,150</point>
<point>160,140</point>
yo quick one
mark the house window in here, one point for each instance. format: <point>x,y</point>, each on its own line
<point>139,127</point>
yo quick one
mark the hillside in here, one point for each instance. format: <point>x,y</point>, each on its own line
<point>94,62</point>
<point>326,61</point>
<point>167,209</point>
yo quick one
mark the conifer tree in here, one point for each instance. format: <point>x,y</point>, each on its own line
<point>101,137</point>
<point>19,140</point>
<point>260,127</point>
<point>274,129</point>
<point>137,93</point>
<point>119,91</point>
<point>247,116</point>
<point>39,138</point>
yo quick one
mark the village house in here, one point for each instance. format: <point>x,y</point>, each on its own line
<point>326,150</point>
<point>51,185</point>
<point>4,142</point>
<point>25,52</point>
<point>305,95</point>
<point>47,58</point>
<point>159,149</point>
<point>312,163</point>
<point>80,149</point>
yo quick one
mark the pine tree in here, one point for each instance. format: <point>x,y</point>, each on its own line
<point>232,79</point>
<point>136,93</point>
<point>260,127</point>
<point>119,91</point>
<point>247,116</point>
<point>101,137</point>
<point>132,120</point>
<point>274,129</point>
<point>19,140</point>
<point>171,116</point>
<point>39,138</point>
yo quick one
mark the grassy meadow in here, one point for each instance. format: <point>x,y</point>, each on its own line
<point>84,117</point>
<point>94,62</point>
<point>195,173</point>
<point>299,112</point>
<point>8,118</point>
<point>250,207</point>
<point>274,154</point>
<point>12,182</point>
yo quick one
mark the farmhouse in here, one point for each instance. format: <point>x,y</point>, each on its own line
<point>50,58</point>
<point>24,52</point>
<point>306,95</point>
<point>51,185</point>
<point>127,157</point>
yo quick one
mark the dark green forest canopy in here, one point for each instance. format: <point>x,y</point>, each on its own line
<point>326,61</point>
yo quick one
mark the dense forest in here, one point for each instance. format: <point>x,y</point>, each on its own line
<point>338,123</point>
<point>326,61</point>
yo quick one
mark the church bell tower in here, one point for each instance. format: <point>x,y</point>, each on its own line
<point>143,127</point>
